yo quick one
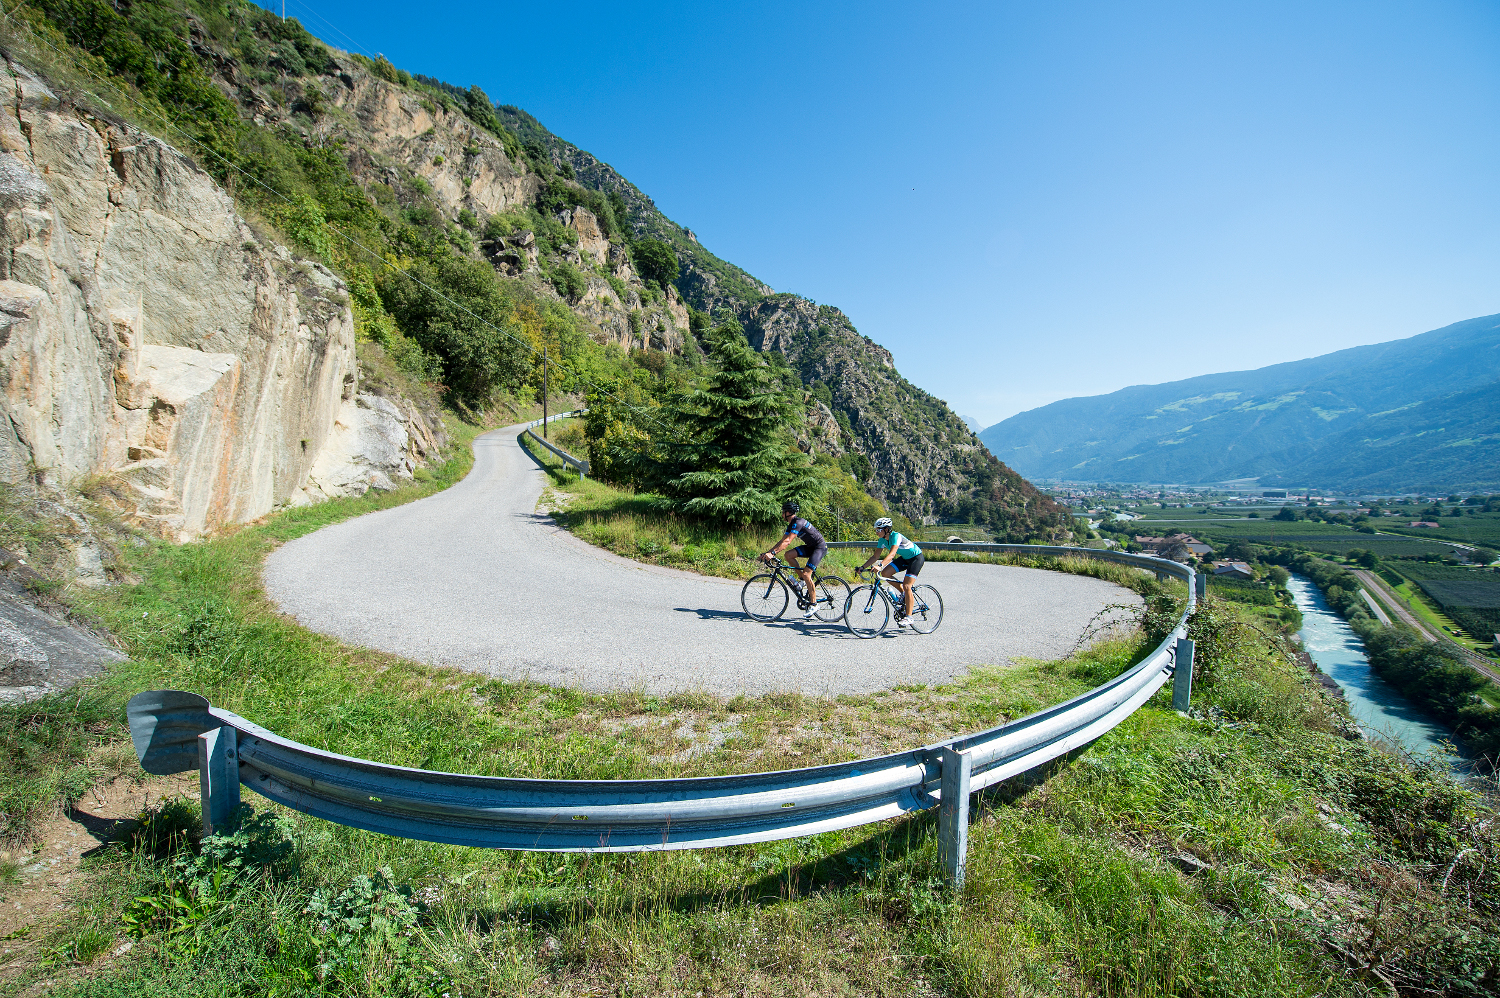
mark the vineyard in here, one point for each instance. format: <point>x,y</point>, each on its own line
<point>1329,539</point>
<point>1470,596</point>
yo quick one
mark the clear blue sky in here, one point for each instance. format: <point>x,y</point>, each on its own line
<point>1027,202</point>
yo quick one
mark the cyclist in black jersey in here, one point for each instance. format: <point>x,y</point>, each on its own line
<point>811,546</point>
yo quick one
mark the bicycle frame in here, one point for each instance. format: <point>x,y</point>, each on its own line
<point>786,575</point>
<point>891,587</point>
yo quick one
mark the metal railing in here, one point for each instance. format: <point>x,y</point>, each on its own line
<point>175,732</point>
<point>577,463</point>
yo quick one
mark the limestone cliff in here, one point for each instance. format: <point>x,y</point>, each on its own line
<point>148,332</point>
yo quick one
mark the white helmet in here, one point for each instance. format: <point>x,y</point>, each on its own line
<point>884,523</point>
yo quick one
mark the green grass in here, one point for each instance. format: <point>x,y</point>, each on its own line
<point>1070,890</point>
<point>1072,886</point>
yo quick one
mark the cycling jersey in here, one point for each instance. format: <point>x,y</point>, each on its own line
<point>904,548</point>
<point>808,533</point>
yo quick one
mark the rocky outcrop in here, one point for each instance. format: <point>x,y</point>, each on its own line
<point>377,443</point>
<point>41,652</point>
<point>147,331</point>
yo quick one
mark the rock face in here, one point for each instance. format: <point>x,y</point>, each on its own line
<point>376,443</point>
<point>146,331</point>
<point>39,652</point>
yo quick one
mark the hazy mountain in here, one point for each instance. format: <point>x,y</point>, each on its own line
<point>1418,413</point>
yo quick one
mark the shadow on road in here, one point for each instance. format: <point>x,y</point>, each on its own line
<point>811,628</point>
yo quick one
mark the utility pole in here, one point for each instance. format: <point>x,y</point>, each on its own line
<point>544,393</point>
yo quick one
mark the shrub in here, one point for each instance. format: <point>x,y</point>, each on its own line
<point>568,281</point>
<point>655,261</point>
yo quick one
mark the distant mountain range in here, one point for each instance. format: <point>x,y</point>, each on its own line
<point>1419,414</point>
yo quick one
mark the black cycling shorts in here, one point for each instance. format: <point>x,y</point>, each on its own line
<point>911,566</point>
<point>815,557</point>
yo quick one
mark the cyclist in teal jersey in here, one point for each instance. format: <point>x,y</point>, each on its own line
<point>897,553</point>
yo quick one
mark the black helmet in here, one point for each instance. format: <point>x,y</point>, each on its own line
<point>791,506</point>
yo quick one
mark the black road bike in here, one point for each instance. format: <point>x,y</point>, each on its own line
<point>766,596</point>
<point>871,606</point>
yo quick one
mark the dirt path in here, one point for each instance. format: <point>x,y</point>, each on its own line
<point>1392,601</point>
<point>45,896</point>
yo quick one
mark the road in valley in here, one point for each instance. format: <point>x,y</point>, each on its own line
<point>475,577</point>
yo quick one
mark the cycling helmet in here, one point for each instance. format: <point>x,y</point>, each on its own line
<point>884,523</point>
<point>791,506</point>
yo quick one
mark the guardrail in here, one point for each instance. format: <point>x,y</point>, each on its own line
<point>578,464</point>
<point>175,732</point>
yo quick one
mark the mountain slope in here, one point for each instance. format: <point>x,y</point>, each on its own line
<point>922,458</point>
<point>1385,413</point>
<point>404,183</point>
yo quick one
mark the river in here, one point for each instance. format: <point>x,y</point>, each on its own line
<point>1379,708</point>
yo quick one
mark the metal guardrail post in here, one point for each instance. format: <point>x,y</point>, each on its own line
<point>953,813</point>
<point>1200,583</point>
<point>1182,676</point>
<point>218,777</point>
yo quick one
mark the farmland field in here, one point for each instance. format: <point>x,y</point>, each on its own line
<point>1482,528</point>
<point>1328,538</point>
<point>1469,596</point>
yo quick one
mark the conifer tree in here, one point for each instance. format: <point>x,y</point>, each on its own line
<point>736,461</point>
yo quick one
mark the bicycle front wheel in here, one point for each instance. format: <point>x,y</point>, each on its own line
<point>867,612</point>
<point>764,598</point>
<point>833,596</point>
<point>927,609</point>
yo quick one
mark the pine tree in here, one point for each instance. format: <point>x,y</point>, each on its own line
<point>736,461</point>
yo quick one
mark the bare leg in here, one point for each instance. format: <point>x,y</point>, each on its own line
<point>890,573</point>
<point>791,560</point>
<point>906,585</point>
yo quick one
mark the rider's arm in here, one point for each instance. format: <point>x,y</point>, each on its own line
<point>781,545</point>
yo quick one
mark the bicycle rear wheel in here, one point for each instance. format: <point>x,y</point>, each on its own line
<point>764,598</point>
<point>867,612</point>
<point>833,596</point>
<point>927,609</point>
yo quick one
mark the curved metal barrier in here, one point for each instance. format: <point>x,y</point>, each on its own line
<point>175,732</point>
<point>577,463</point>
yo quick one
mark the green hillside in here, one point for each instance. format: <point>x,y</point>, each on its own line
<point>1414,414</point>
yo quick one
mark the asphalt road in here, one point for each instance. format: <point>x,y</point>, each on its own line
<point>476,578</point>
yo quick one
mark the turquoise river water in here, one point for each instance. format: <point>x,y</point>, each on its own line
<point>1378,707</point>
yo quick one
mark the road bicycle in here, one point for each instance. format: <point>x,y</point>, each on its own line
<point>872,605</point>
<point>766,596</point>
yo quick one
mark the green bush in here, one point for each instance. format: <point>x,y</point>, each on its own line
<point>568,281</point>
<point>655,261</point>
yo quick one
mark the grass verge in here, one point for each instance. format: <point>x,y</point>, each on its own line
<point>1249,850</point>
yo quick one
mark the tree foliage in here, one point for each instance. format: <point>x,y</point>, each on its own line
<point>655,261</point>
<point>465,325</point>
<point>735,460</point>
